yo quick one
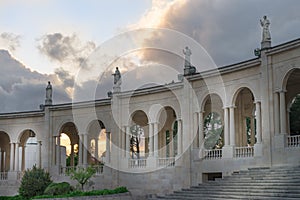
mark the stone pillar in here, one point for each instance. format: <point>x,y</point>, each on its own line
<point>179,134</point>
<point>80,150</point>
<point>171,144</point>
<point>84,149</point>
<point>258,122</point>
<point>232,126</point>
<point>107,155</point>
<point>17,157</point>
<point>276,113</point>
<point>150,139</point>
<point>226,127</point>
<point>96,148</point>
<point>201,127</point>
<point>282,113</point>
<point>58,161</point>
<point>72,155</point>
<point>0,160</point>
<point>195,128</point>
<point>11,157</point>
<point>155,139</point>
<point>127,142</point>
<point>4,161</point>
<point>39,154</point>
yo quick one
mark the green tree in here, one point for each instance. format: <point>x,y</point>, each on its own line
<point>295,116</point>
<point>34,182</point>
<point>135,139</point>
<point>82,175</point>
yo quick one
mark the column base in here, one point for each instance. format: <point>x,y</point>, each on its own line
<point>12,175</point>
<point>258,150</point>
<point>228,152</point>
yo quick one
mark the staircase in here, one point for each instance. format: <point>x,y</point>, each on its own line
<point>255,183</point>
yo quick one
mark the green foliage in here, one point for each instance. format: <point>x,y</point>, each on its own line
<point>58,189</point>
<point>82,175</point>
<point>295,116</point>
<point>89,193</point>
<point>18,197</point>
<point>34,182</point>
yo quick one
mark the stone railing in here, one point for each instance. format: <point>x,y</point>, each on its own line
<point>241,152</point>
<point>166,162</point>
<point>3,176</point>
<point>293,141</point>
<point>212,154</point>
<point>137,163</point>
<point>98,168</point>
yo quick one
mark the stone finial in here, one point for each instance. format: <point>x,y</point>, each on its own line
<point>48,100</point>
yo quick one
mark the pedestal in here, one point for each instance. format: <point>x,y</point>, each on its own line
<point>279,141</point>
<point>265,45</point>
<point>228,152</point>
<point>258,150</point>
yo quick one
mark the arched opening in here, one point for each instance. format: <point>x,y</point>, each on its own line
<point>167,136</point>
<point>139,135</point>
<point>68,145</point>
<point>244,116</point>
<point>212,123</point>
<point>292,98</point>
<point>4,152</point>
<point>97,142</point>
<point>28,151</point>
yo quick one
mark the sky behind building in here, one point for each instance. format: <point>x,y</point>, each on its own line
<point>51,39</point>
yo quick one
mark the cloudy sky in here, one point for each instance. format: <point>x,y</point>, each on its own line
<point>77,44</point>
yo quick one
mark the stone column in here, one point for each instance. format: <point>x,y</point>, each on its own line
<point>84,149</point>
<point>258,122</point>
<point>155,139</point>
<point>11,157</point>
<point>195,128</point>
<point>96,148</point>
<point>232,126</point>
<point>0,160</point>
<point>80,150</point>
<point>127,142</point>
<point>39,154</point>
<point>17,157</point>
<point>107,155</point>
<point>282,113</point>
<point>179,134</point>
<point>150,139</point>
<point>226,127</point>
<point>171,144</point>
<point>276,113</point>
<point>201,127</point>
<point>58,161</point>
<point>72,155</point>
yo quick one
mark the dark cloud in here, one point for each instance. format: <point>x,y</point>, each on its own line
<point>65,49</point>
<point>22,89</point>
<point>9,41</point>
<point>229,30</point>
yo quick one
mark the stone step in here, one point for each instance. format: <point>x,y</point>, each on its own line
<point>255,183</point>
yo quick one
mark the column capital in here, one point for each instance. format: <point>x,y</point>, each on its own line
<point>225,107</point>
<point>257,102</point>
<point>282,91</point>
<point>201,111</point>
<point>178,119</point>
<point>232,107</point>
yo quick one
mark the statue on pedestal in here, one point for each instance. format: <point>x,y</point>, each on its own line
<point>187,60</point>
<point>117,80</point>
<point>266,36</point>
<point>48,100</point>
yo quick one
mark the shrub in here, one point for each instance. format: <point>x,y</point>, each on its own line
<point>34,182</point>
<point>82,175</point>
<point>58,189</point>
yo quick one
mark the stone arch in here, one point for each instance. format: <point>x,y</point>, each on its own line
<point>244,102</point>
<point>4,151</point>
<point>167,136</point>
<point>212,103</point>
<point>29,150</point>
<point>287,75</point>
<point>237,91</point>
<point>97,140</point>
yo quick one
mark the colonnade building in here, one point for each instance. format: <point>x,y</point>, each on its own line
<point>208,124</point>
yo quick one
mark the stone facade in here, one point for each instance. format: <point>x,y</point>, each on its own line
<point>172,119</point>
